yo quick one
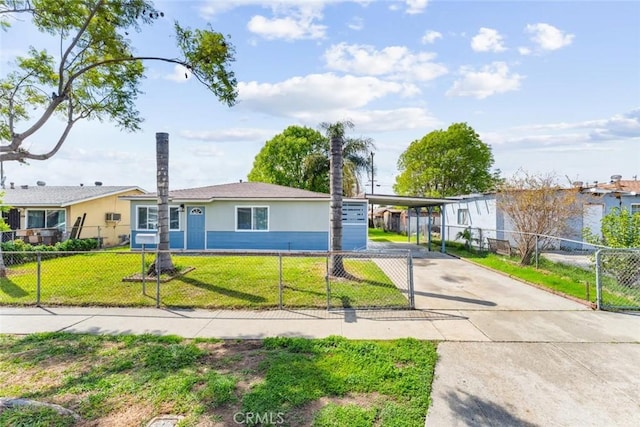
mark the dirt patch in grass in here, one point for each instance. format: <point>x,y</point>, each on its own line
<point>129,380</point>
<point>164,278</point>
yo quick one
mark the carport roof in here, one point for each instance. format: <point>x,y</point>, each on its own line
<point>410,202</point>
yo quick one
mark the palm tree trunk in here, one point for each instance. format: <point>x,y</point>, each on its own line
<point>163,262</point>
<point>336,267</point>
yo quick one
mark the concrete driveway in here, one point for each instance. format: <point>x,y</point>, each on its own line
<point>520,356</point>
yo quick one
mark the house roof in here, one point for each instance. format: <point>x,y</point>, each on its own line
<point>236,191</point>
<point>59,196</point>
<point>411,202</point>
<point>628,186</point>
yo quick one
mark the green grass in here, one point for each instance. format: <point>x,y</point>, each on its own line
<point>379,235</point>
<point>32,416</point>
<point>216,282</point>
<point>126,380</point>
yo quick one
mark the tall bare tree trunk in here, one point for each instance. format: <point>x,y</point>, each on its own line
<point>163,257</point>
<point>336,267</point>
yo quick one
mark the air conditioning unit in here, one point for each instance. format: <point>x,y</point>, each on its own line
<point>112,216</point>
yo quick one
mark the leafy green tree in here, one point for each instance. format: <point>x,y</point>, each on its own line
<point>446,163</point>
<point>300,157</point>
<point>96,73</point>
<point>282,159</point>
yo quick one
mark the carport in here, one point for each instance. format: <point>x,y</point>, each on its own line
<point>415,203</point>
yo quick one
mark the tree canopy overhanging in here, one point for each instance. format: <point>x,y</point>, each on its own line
<point>97,72</point>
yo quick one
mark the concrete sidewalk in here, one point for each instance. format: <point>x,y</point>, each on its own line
<point>570,326</point>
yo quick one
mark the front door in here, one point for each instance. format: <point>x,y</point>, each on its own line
<point>195,227</point>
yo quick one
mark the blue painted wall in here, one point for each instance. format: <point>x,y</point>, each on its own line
<point>176,239</point>
<point>272,240</point>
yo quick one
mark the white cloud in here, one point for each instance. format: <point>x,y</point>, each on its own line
<point>548,37</point>
<point>524,51</point>
<point>430,37</point>
<point>489,80</point>
<point>356,23</point>
<point>392,61</point>
<point>416,6</point>
<point>369,121</point>
<point>487,40</point>
<point>180,74</point>
<point>317,93</point>
<point>227,135</point>
<point>300,25</point>
<point>590,135</point>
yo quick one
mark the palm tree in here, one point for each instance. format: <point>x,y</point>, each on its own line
<point>355,161</point>
<point>163,262</point>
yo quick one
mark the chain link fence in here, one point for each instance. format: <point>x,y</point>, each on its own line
<point>618,279</point>
<point>220,280</point>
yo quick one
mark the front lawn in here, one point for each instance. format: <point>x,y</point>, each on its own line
<point>96,278</point>
<point>127,380</point>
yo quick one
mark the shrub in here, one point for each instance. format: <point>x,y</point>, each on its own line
<point>18,252</point>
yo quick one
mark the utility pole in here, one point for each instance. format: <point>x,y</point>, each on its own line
<point>372,185</point>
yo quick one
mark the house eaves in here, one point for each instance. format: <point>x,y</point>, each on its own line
<point>60,196</point>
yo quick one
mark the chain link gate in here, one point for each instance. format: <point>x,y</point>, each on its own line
<point>618,279</point>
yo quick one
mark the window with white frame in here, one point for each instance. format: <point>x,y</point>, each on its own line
<point>463,216</point>
<point>252,218</point>
<point>147,218</point>
<point>46,218</point>
<point>635,208</point>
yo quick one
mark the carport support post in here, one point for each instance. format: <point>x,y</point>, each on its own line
<point>429,210</point>
<point>417,226</point>
<point>408,225</point>
<point>442,230</point>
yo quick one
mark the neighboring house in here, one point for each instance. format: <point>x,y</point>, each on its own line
<point>479,211</point>
<point>47,214</point>
<point>399,220</point>
<point>249,216</point>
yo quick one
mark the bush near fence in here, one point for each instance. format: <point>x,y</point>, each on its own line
<point>17,252</point>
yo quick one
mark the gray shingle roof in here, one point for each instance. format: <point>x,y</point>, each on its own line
<point>238,190</point>
<point>58,195</point>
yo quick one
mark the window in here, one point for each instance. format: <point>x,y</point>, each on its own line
<point>463,216</point>
<point>635,208</point>
<point>47,218</point>
<point>148,218</point>
<point>252,218</point>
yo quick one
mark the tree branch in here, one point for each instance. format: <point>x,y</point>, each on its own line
<point>73,44</point>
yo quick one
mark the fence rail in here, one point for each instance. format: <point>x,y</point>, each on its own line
<point>252,280</point>
<point>618,279</point>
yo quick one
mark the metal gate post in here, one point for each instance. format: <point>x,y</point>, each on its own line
<point>326,276</point>
<point>598,280</point>
<point>157,281</point>
<point>412,299</point>
<point>281,284</point>
<point>38,280</point>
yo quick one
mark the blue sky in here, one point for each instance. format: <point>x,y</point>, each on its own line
<point>551,86</point>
